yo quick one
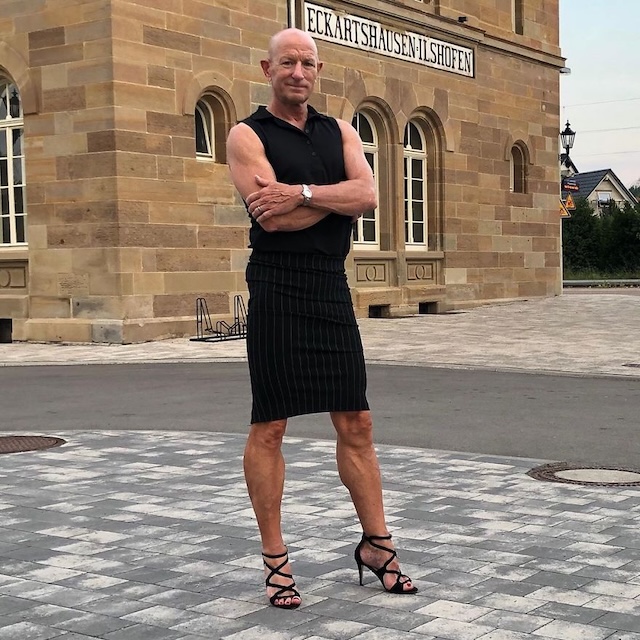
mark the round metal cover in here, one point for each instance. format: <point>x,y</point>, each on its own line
<point>19,444</point>
<point>589,475</point>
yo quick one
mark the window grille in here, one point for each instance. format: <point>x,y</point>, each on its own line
<point>13,212</point>
<point>366,231</point>
<point>415,186</point>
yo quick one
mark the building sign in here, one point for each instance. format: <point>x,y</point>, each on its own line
<point>368,35</point>
<point>570,184</point>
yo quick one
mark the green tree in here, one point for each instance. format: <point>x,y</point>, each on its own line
<point>621,240</point>
<point>607,263</point>
<point>581,239</point>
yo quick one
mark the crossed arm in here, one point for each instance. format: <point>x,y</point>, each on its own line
<point>277,206</point>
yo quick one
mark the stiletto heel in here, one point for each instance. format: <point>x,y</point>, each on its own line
<point>359,562</point>
<point>401,579</point>
<point>281,593</point>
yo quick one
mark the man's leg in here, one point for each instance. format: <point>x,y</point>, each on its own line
<point>264,475</point>
<point>360,473</point>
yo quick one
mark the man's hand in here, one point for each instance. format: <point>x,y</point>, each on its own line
<point>273,199</point>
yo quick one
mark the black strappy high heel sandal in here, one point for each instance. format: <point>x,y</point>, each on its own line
<point>401,578</point>
<point>281,593</point>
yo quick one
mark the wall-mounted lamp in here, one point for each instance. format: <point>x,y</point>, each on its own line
<point>14,104</point>
<point>567,138</point>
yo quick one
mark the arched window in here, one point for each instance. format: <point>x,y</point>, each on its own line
<point>415,186</point>
<point>12,181</point>
<point>211,128</point>
<point>518,170</point>
<point>366,231</point>
<point>205,133</point>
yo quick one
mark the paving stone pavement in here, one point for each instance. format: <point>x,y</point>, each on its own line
<point>150,536</point>
<point>581,334</point>
<point>139,535</point>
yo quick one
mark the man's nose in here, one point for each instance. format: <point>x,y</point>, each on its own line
<point>297,70</point>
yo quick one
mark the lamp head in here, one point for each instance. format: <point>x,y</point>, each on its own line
<point>568,137</point>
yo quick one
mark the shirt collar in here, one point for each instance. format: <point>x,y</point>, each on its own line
<point>263,114</point>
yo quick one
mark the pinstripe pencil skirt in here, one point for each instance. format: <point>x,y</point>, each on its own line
<point>303,343</point>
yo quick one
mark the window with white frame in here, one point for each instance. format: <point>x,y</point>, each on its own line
<point>604,198</point>
<point>205,130</point>
<point>212,123</point>
<point>366,231</point>
<point>415,186</point>
<point>13,213</point>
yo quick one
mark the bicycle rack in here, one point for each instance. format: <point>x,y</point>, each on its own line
<point>205,332</point>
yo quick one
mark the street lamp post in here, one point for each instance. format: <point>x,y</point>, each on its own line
<point>567,138</point>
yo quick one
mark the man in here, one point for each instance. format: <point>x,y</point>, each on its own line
<point>305,179</point>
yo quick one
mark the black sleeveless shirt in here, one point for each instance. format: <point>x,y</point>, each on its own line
<point>312,156</point>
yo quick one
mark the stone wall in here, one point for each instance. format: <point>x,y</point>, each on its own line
<point>127,226</point>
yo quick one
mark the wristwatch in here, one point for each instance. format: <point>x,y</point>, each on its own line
<point>306,195</point>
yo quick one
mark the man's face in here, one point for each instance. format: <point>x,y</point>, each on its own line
<point>292,69</point>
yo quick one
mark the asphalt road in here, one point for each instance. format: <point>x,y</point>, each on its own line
<point>550,417</point>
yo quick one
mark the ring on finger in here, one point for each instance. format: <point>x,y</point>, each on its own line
<point>258,209</point>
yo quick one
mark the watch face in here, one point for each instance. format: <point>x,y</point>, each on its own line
<point>306,192</point>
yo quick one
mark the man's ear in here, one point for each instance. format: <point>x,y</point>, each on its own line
<point>266,65</point>
<point>319,66</point>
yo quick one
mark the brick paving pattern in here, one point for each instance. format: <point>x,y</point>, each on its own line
<point>150,536</point>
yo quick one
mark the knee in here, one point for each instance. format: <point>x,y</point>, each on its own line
<point>268,435</point>
<point>355,427</point>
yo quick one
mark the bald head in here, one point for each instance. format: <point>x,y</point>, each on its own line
<point>292,69</point>
<point>290,37</point>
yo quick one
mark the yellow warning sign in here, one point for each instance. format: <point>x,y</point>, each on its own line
<point>568,203</point>
<point>564,212</point>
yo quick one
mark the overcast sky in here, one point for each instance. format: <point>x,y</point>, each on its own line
<point>601,96</point>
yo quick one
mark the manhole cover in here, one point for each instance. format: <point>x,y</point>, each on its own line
<point>586,475</point>
<point>18,444</point>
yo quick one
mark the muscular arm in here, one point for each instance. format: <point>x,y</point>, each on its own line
<point>251,172</point>
<point>357,193</point>
<point>276,206</point>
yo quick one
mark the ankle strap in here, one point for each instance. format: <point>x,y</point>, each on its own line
<point>278,555</point>
<point>366,537</point>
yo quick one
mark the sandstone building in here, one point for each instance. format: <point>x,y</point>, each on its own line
<point>116,206</point>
